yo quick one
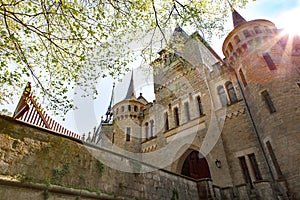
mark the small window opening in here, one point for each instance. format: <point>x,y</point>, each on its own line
<point>246,33</point>
<point>257,30</point>
<point>128,134</point>
<point>254,166</point>
<point>242,76</point>
<point>176,116</point>
<point>268,101</point>
<point>222,96</point>
<point>200,107</point>
<point>269,61</point>
<point>187,111</point>
<point>166,121</point>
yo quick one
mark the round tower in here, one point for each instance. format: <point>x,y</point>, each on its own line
<point>266,63</point>
<point>128,116</point>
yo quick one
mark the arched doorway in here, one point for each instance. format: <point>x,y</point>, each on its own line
<point>195,166</point>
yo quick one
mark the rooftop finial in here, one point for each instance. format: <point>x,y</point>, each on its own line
<point>236,17</point>
<point>109,111</point>
<point>231,7</point>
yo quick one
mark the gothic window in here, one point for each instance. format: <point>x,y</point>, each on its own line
<point>176,116</point>
<point>129,108</point>
<point>147,130</point>
<point>222,95</point>
<point>257,30</point>
<point>166,121</point>
<point>269,61</point>
<point>151,128</point>
<point>231,92</point>
<point>242,76</point>
<point>254,166</point>
<point>246,33</point>
<point>268,101</point>
<point>128,134</point>
<point>200,107</point>
<point>135,108</point>
<point>187,111</point>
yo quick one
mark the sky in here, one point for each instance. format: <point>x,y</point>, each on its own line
<point>284,13</point>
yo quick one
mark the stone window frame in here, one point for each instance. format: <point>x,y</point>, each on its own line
<point>242,77</point>
<point>147,130</point>
<point>127,134</point>
<point>166,120</point>
<point>245,153</point>
<point>230,96</point>
<point>269,61</point>
<point>176,120</point>
<point>152,128</point>
<point>271,156</point>
<point>187,110</point>
<point>199,107</point>
<point>268,100</point>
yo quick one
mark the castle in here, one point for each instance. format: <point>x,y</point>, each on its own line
<point>234,120</point>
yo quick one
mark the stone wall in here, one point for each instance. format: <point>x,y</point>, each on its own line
<point>38,164</point>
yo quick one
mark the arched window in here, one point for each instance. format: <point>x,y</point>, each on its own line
<point>246,33</point>
<point>147,130</point>
<point>122,109</point>
<point>135,108</point>
<point>200,107</point>
<point>176,116</point>
<point>222,96</point>
<point>166,121</point>
<point>257,30</point>
<point>231,92</point>
<point>152,128</point>
<point>236,39</point>
<point>129,108</point>
<point>117,110</point>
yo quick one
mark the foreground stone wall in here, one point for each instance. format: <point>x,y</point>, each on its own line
<point>38,164</point>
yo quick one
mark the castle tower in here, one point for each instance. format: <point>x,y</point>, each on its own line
<point>128,116</point>
<point>266,63</point>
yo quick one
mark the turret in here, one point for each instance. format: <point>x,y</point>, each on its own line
<point>264,61</point>
<point>128,115</point>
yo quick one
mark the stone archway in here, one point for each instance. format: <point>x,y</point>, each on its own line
<point>195,166</point>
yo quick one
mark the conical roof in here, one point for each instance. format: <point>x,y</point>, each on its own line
<point>130,91</point>
<point>237,18</point>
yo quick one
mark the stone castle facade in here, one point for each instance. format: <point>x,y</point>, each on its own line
<point>234,121</point>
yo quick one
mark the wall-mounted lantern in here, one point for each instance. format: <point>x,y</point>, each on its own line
<point>218,163</point>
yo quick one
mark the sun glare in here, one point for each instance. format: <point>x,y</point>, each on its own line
<point>291,29</point>
<point>289,22</point>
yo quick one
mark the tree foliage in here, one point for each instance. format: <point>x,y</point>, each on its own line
<point>59,43</point>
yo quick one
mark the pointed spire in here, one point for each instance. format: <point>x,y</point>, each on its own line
<point>109,111</point>
<point>237,19</point>
<point>130,91</point>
